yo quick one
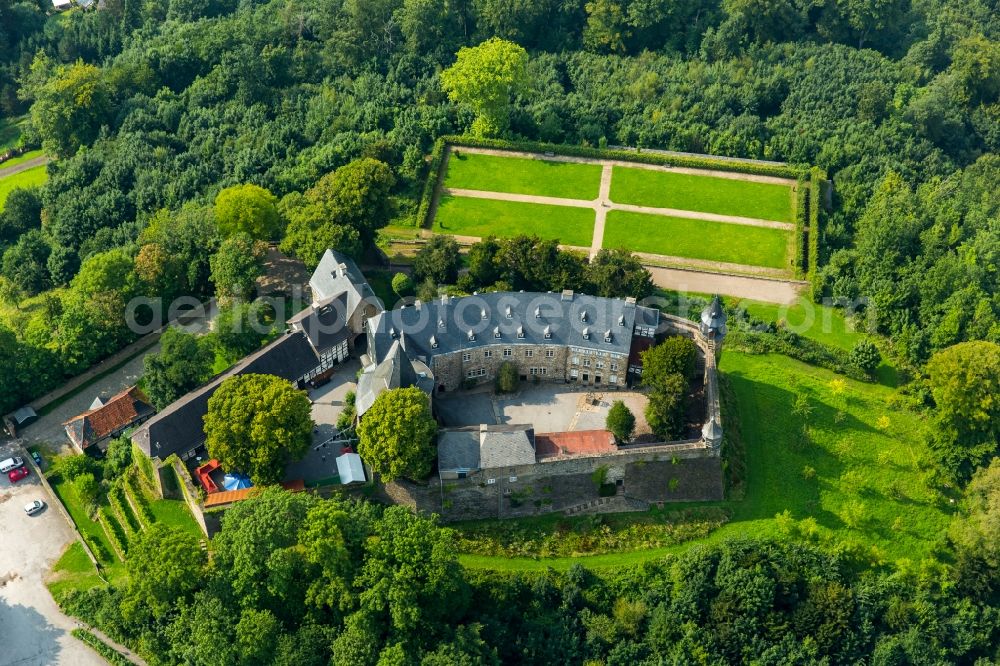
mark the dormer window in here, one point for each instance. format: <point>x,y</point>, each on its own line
<point>607,335</point>
<point>496,332</point>
<point>548,332</point>
<point>520,332</point>
<point>583,316</point>
<point>441,323</point>
<point>586,333</point>
<point>510,312</point>
<point>538,313</point>
<point>621,320</point>
<point>392,332</point>
<point>484,314</point>
<point>472,336</point>
<point>434,342</point>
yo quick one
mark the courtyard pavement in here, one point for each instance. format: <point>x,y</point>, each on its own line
<point>547,407</point>
<point>328,402</point>
<point>33,630</point>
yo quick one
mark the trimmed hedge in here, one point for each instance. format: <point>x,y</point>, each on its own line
<point>693,161</point>
<point>430,185</point>
<point>144,465</point>
<point>138,500</point>
<point>116,497</point>
<point>783,341</point>
<point>113,531</point>
<point>802,197</point>
<point>816,178</point>
<point>111,655</point>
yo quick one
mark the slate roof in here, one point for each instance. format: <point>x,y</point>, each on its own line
<point>713,319</point>
<point>452,324</point>
<point>325,324</point>
<point>338,274</point>
<point>180,426</point>
<point>109,418</point>
<point>395,371</point>
<point>474,448</point>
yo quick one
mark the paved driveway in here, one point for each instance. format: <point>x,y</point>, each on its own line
<point>33,631</point>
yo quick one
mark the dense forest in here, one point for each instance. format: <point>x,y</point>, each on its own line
<point>154,108</point>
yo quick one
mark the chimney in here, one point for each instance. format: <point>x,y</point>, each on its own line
<point>567,295</point>
<point>341,270</point>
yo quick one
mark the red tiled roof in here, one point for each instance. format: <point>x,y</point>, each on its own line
<point>581,442</point>
<point>230,496</point>
<point>119,412</point>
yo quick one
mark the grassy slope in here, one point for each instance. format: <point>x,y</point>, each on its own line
<point>523,176</point>
<point>30,178</point>
<point>724,196</point>
<point>73,571</point>
<point>860,467</point>
<point>87,526</point>
<point>697,239</point>
<point>485,217</point>
<point>175,514</point>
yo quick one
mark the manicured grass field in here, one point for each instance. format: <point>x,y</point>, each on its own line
<point>29,178</point>
<point>697,239</point>
<point>855,479</point>
<point>175,514</point>
<point>73,571</point>
<point>725,196</point>
<point>521,175</point>
<point>485,217</point>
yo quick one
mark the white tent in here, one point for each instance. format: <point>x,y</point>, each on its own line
<point>350,468</point>
<point>62,4</point>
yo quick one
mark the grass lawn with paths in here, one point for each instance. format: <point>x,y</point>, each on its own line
<point>488,217</point>
<point>522,175</point>
<point>724,196</point>
<point>856,479</point>
<point>698,239</point>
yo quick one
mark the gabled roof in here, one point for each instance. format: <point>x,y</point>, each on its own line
<point>350,469</point>
<point>474,448</point>
<point>458,449</point>
<point>325,324</point>
<point>338,274</point>
<point>180,426</point>
<point>397,370</point>
<point>110,418</point>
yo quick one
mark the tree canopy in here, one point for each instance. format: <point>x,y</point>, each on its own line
<point>396,435</point>
<point>486,78</point>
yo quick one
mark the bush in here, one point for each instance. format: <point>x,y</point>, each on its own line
<point>508,378</point>
<point>402,284</point>
<point>142,510</point>
<point>866,357</point>
<point>430,185</point>
<point>73,466</point>
<point>116,497</point>
<point>621,421</point>
<point>816,176</point>
<point>801,220</point>
<point>109,654</point>
<point>144,465</point>
<point>113,531</point>
<point>87,490</point>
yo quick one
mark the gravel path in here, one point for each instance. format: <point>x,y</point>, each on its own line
<point>24,166</point>
<point>782,292</point>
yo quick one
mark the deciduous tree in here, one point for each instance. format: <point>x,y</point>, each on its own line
<point>248,209</point>
<point>396,435</point>
<point>182,363</point>
<point>486,78</point>
<point>621,421</point>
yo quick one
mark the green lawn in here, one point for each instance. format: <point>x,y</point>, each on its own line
<point>484,217</point>
<point>175,514</point>
<point>73,571</point>
<point>725,196</point>
<point>698,239</point>
<point>30,155</point>
<point>522,175</point>
<point>29,178</point>
<point>89,527</point>
<point>866,485</point>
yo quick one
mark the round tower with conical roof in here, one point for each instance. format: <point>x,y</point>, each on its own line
<point>713,321</point>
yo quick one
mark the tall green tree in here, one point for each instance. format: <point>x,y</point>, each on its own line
<point>182,363</point>
<point>396,435</point>
<point>256,424</point>
<point>71,103</point>
<point>486,78</point>
<point>438,260</point>
<point>236,266</point>
<point>165,565</point>
<point>248,209</point>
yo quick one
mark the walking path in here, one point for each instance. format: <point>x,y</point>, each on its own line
<point>782,292</point>
<point>24,166</point>
<point>731,175</point>
<point>601,214</point>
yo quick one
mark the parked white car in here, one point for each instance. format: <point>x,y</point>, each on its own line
<point>31,508</point>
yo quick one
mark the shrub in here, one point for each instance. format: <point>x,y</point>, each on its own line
<point>116,497</point>
<point>866,357</point>
<point>508,378</point>
<point>109,654</point>
<point>621,421</point>
<point>816,176</point>
<point>71,467</point>
<point>142,510</point>
<point>144,465</point>
<point>430,185</point>
<point>87,490</point>
<point>113,531</point>
<point>402,284</point>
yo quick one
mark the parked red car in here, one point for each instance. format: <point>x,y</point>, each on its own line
<point>16,475</point>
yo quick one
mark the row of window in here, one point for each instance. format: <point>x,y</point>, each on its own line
<point>599,364</point>
<point>507,353</point>
<point>575,375</point>
<point>476,372</point>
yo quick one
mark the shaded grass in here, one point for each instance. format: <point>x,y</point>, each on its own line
<point>87,526</point>
<point>28,178</point>
<point>10,132</point>
<point>487,217</point>
<point>698,239</point>
<point>521,175</point>
<point>381,284</point>
<point>867,489</point>
<point>725,196</point>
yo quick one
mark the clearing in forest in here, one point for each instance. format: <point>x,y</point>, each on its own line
<point>32,177</point>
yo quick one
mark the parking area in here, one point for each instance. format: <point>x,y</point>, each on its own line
<point>34,632</point>
<point>548,407</point>
<point>320,462</point>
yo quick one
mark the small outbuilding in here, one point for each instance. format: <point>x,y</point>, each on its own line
<point>106,420</point>
<point>350,468</point>
<point>465,451</point>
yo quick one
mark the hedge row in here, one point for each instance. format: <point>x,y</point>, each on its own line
<point>816,178</point>
<point>783,341</point>
<point>144,465</point>
<point>802,197</point>
<point>116,496</point>
<point>111,655</point>
<point>430,186</point>
<point>138,500</point>
<point>693,161</point>
<point>113,531</point>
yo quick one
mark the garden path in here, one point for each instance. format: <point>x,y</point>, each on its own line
<point>24,166</point>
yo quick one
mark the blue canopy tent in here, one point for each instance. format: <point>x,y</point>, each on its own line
<point>236,482</point>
